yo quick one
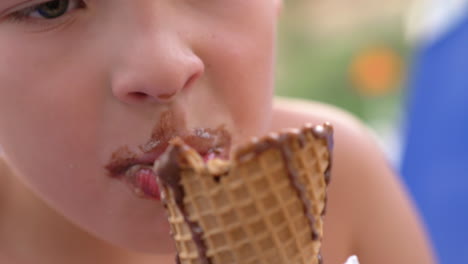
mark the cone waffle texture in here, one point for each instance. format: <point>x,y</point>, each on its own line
<point>265,205</point>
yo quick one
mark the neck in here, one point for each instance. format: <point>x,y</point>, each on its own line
<point>32,232</point>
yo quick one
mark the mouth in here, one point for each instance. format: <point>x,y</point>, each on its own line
<point>136,169</point>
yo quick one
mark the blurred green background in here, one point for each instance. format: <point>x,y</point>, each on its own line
<point>352,54</point>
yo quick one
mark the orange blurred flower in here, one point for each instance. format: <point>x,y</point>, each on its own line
<point>376,71</point>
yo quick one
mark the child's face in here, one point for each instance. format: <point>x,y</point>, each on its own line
<point>97,76</point>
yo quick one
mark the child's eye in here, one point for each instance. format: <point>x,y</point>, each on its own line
<point>48,10</point>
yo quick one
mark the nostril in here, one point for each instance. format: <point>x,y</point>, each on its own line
<point>138,95</point>
<point>141,96</point>
<point>166,96</point>
<point>192,80</point>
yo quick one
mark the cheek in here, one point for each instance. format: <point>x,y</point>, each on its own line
<point>42,101</point>
<point>51,129</point>
<point>247,84</point>
<point>47,113</point>
<point>51,93</point>
<point>240,64</point>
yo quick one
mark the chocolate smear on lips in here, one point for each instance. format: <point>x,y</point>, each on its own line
<point>135,169</point>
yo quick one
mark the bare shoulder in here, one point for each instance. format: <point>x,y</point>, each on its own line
<point>295,112</point>
<point>353,141</point>
<point>369,212</point>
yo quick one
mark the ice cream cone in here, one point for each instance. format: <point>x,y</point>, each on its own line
<point>265,205</point>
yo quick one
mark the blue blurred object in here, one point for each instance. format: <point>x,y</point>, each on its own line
<point>435,159</point>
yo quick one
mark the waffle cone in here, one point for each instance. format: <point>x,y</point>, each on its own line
<point>265,205</point>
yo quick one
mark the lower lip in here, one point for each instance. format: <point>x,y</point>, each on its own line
<point>143,182</point>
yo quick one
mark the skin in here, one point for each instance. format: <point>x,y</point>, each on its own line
<point>77,88</point>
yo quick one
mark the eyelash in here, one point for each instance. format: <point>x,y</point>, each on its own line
<point>24,15</point>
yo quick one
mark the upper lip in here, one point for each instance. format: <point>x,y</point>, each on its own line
<point>126,159</point>
<point>204,141</point>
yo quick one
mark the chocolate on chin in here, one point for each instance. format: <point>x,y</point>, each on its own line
<point>264,205</point>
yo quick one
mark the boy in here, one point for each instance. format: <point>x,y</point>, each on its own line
<point>84,81</point>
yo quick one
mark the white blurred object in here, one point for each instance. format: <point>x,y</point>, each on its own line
<point>428,19</point>
<point>352,260</point>
<point>347,15</point>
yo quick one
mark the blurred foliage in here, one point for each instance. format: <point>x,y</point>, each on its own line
<point>317,66</point>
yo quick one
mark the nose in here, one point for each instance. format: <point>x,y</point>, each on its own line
<point>155,68</point>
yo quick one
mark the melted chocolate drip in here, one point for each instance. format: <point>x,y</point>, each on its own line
<point>169,176</point>
<point>287,155</point>
<point>281,142</point>
<point>325,132</point>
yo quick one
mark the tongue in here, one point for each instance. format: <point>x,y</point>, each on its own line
<point>209,156</point>
<point>146,182</point>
